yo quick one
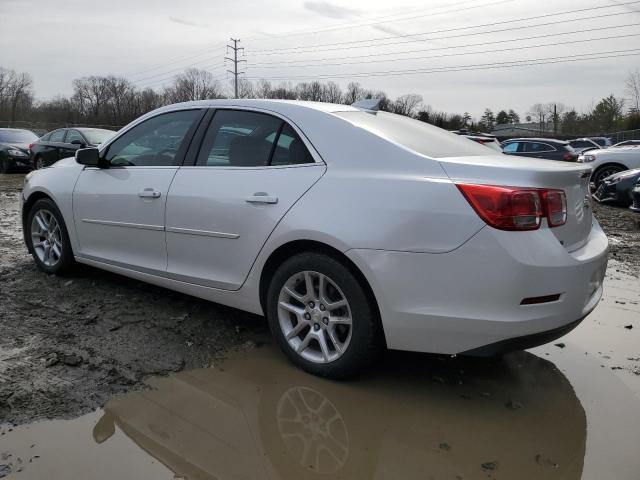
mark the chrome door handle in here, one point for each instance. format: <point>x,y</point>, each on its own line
<point>262,197</point>
<point>149,193</point>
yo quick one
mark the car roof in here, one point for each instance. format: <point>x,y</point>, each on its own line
<point>15,130</point>
<point>267,104</point>
<point>534,139</point>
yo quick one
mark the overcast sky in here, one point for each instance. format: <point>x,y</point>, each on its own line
<point>360,40</point>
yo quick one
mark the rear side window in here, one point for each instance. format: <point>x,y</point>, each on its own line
<point>413,134</point>
<point>237,138</point>
<point>57,136</point>
<point>581,143</point>
<point>536,147</point>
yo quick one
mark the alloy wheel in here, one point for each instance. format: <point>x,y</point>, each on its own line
<point>604,173</point>
<point>46,237</point>
<point>315,317</point>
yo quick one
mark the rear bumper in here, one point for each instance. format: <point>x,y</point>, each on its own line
<point>22,163</point>
<point>471,298</point>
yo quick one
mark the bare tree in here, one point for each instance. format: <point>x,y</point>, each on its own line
<point>354,93</point>
<point>632,89</point>
<point>332,93</point>
<point>406,104</point>
<point>193,84</point>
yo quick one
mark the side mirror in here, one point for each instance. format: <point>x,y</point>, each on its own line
<point>80,143</point>
<point>90,157</point>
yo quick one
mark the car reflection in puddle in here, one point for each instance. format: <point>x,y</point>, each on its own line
<point>415,416</point>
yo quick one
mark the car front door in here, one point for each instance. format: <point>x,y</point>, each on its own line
<point>250,170</point>
<point>119,211</point>
<point>51,153</point>
<point>72,142</point>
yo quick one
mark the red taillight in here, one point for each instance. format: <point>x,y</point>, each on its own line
<point>555,203</point>
<point>515,208</point>
<point>30,146</point>
<point>569,157</point>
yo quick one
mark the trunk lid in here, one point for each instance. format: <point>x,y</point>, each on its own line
<point>514,171</point>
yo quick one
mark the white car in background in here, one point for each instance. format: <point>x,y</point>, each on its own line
<point>349,228</point>
<point>608,161</point>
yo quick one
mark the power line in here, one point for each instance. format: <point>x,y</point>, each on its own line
<point>369,24</point>
<point>175,60</point>
<point>410,35</point>
<point>479,66</point>
<point>456,54</point>
<point>235,61</point>
<point>422,50</point>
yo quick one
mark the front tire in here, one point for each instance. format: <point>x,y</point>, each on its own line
<point>322,317</point>
<point>605,171</point>
<point>48,238</point>
<point>4,166</point>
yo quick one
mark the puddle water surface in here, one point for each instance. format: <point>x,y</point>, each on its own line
<point>417,416</point>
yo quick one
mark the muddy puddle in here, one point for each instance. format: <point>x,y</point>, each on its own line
<point>554,413</point>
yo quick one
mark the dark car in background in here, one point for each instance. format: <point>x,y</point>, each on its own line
<point>63,143</point>
<point>581,145</point>
<point>618,188</point>
<point>547,148</point>
<point>14,149</point>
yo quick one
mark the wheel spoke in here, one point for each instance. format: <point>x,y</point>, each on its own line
<point>41,222</point>
<point>305,343</point>
<point>56,249</point>
<point>295,331</point>
<point>321,289</point>
<point>298,311</point>
<point>308,281</point>
<point>293,294</point>
<point>322,340</point>
<point>340,320</point>
<point>336,343</point>
<point>336,305</point>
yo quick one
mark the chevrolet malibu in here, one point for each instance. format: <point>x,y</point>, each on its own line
<point>350,229</point>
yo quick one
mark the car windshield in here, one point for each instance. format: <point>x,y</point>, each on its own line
<point>17,136</point>
<point>96,136</point>
<point>600,141</point>
<point>415,135</point>
<point>581,143</point>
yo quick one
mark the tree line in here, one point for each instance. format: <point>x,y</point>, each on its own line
<point>115,101</point>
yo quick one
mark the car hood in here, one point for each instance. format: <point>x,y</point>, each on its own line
<point>65,162</point>
<point>20,146</point>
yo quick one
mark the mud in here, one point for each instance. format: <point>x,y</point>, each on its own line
<point>223,403</point>
<point>68,344</point>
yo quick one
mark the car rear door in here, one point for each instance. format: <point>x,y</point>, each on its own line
<point>250,170</point>
<point>51,151</point>
<point>119,211</point>
<point>535,149</point>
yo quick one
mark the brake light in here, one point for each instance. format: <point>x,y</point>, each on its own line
<point>569,157</point>
<point>555,202</point>
<point>515,208</point>
<point>30,146</point>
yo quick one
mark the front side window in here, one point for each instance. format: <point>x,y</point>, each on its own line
<point>155,142</point>
<point>74,135</point>
<point>237,138</point>
<point>57,136</point>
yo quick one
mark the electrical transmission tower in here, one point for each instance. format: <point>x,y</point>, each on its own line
<point>235,61</point>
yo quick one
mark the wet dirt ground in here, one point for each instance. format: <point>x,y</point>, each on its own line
<point>78,355</point>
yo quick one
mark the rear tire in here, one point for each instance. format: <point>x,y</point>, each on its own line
<point>330,329</point>
<point>4,166</point>
<point>48,238</point>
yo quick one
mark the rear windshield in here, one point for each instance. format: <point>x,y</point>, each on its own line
<point>415,135</point>
<point>17,136</point>
<point>96,136</point>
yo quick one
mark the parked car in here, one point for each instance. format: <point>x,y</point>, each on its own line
<point>581,145</point>
<point>604,142</point>
<point>635,195</point>
<point>607,161</point>
<point>618,187</point>
<point>627,143</point>
<point>485,139</point>
<point>63,143</point>
<point>546,148</point>
<point>351,229</point>
<point>14,149</point>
